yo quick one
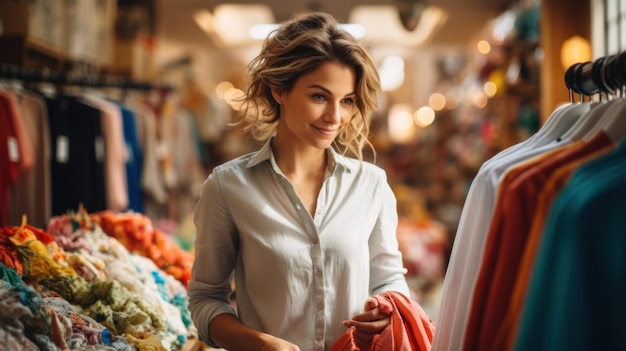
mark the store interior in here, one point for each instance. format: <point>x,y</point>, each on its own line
<point>462,81</point>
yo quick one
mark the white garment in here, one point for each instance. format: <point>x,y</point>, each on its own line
<point>297,277</point>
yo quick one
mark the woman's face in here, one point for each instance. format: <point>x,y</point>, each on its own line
<point>318,106</point>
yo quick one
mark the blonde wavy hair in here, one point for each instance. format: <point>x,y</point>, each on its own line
<point>298,47</point>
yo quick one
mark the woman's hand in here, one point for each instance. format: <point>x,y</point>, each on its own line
<point>369,323</point>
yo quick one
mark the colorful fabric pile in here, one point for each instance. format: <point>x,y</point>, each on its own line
<point>138,234</point>
<point>73,286</point>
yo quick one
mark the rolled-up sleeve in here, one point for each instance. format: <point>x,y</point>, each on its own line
<point>215,248</point>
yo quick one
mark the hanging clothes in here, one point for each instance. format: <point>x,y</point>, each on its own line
<point>134,160</point>
<point>10,151</point>
<point>114,151</point>
<point>469,242</point>
<point>77,146</point>
<point>31,195</point>
<point>510,284</point>
<point>576,292</point>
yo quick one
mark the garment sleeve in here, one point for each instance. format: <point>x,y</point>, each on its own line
<point>215,250</point>
<point>387,272</point>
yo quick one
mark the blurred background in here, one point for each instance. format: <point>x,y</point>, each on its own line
<point>462,81</point>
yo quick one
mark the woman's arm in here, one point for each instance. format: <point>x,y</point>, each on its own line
<point>215,247</point>
<point>387,272</point>
<point>229,333</point>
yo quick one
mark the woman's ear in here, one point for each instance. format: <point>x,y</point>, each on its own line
<point>278,96</point>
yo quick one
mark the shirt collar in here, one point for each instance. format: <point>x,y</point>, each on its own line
<point>265,153</point>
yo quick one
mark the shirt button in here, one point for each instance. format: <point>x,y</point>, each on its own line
<point>318,337</point>
<point>320,306</point>
<point>298,206</point>
<point>315,241</point>
<point>318,273</point>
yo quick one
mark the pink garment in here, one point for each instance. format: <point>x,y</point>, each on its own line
<point>26,158</point>
<point>115,153</point>
<point>410,330</point>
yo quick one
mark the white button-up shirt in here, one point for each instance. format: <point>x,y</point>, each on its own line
<point>297,277</point>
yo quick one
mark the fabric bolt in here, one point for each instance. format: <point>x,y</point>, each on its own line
<point>579,268</point>
<point>333,252</point>
<point>31,195</point>
<point>410,330</point>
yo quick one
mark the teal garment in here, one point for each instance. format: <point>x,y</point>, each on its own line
<point>577,293</point>
<point>9,275</point>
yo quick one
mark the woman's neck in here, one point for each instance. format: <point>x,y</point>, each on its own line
<point>301,161</point>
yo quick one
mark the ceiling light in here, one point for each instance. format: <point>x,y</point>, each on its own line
<point>240,24</point>
<point>204,20</point>
<point>231,24</point>
<point>410,13</point>
<point>262,31</point>
<point>383,25</point>
<point>392,73</point>
<point>424,116</point>
<point>400,123</point>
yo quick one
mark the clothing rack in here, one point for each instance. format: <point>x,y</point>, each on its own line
<point>44,75</point>
<point>605,75</point>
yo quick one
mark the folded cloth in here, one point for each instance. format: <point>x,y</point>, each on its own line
<point>410,329</point>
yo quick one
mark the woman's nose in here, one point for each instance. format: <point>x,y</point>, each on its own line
<point>334,112</point>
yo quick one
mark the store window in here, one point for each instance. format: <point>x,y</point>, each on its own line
<point>609,26</point>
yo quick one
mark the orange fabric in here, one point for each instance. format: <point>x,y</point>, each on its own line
<point>136,232</point>
<point>410,330</point>
<point>506,333</point>
<point>8,251</point>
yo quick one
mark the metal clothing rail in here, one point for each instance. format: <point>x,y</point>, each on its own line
<point>44,75</point>
<point>605,75</point>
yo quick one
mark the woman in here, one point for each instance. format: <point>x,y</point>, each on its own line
<point>308,233</point>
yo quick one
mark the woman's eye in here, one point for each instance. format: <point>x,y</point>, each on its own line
<point>319,97</point>
<point>348,101</point>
